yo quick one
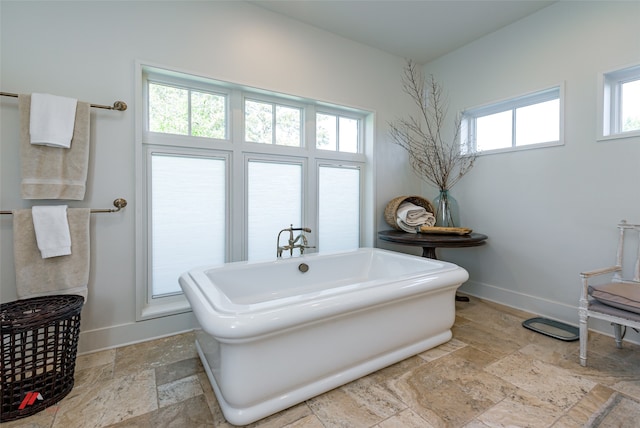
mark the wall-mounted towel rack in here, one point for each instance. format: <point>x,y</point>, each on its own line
<point>119,204</point>
<point>118,105</point>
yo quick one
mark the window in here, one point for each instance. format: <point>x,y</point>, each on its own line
<point>271,123</point>
<point>533,120</point>
<point>337,133</point>
<point>188,195</point>
<point>274,195</point>
<point>175,110</point>
<point>620,103</point>
<point>339,203</point>
<point>224,168</point>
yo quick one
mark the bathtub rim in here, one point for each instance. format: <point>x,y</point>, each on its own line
<point>238,327</point>
<point>223,304</point>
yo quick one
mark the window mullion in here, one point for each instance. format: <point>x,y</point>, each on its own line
<point>189,112</point>
<point>617,102</point>
<point>274,122</point>
<point>513,128</point>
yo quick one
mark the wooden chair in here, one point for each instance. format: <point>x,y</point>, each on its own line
<point>616,301</point>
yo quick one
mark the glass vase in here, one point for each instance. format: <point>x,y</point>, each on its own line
<point>446,206</point>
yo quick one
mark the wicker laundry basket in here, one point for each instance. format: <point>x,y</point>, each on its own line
<point>39,346</point>
<point>392,208</point>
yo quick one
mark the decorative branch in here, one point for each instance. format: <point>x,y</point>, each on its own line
<point>431,158</point>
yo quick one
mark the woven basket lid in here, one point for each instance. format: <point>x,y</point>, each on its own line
<point>392,208</point>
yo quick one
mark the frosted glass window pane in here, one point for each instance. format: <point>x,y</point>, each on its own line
<point>630,108</point>
<point>326,132</point>
<point>348,138</point>
<point>339,208</point>
<point>538,123</point>
<point>187,218</point>
<point>275,202</point>
<point>494,131</point>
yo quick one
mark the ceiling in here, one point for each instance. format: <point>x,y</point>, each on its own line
<point>421,30</point>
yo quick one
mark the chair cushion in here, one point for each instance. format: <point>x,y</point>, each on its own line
<point>596,306</point>
<point>620,295</point>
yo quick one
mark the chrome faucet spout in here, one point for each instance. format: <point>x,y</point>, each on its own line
<point>293,242</point>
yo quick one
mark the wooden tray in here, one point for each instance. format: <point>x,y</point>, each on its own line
<point>445,230</point>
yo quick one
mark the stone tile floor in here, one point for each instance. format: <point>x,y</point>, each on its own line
<point>493,373</point>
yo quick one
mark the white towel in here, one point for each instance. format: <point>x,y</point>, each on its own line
<point>52,230</point>
<point>407,228</point>
<point>52,120</point>
<point>51,172</point>
<point>414,215</point>
<point>36,276</point>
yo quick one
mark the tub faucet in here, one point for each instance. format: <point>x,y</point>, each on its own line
<point>293,242</point>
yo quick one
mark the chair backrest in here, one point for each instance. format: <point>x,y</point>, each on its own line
<point>627,229</point>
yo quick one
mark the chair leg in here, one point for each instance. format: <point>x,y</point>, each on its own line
<point>584,338</point>
<point>617,332</point>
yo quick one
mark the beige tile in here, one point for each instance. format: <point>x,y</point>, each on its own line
<point>521,409</point>
<point>191,413</point>
<point>179,390</point>
<point>299,414</point>
<point>442,350</point>
<point>178,370</point>
<point>579,414</point>
<point>89,377</point>
<point>486,339</point>
<point>156,353</point>
<point>405,419</point>
<point>541,379</point>
<point>42,419</point>
<point>553,351</point>
<point>310,421</point>
<point>396,370</point>
<point>475,424</point>
<point>108,402</point>
<point>620,411</point>
<point>359,403</point>
<point>451,391</point>
<point>95,359</point>
<point>630,388</point>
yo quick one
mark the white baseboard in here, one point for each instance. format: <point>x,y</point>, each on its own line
<point>540,307</point>
<point>134,332</point>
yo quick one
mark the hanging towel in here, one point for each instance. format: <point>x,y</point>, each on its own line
<point>52,120</point>
<point>52,230</point>
<point>36,276</point>
<point>51,172</point>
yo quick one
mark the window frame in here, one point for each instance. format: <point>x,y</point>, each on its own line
<point>237,151</point>
<point>609,102</point>
<point>470,115</point>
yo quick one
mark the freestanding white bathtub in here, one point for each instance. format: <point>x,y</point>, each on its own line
<point>273,336</point>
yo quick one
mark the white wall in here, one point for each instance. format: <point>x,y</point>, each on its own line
<point>88,50</point>
<point>549,213</point>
